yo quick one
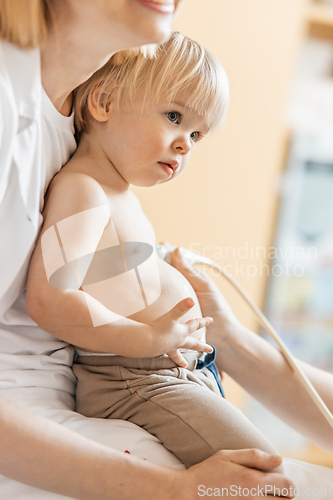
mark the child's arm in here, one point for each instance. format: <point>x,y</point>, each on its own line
<point>64,312</point>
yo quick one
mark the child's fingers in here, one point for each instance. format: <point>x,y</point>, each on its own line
<point>196,345</point>
<point>198,323</point>
<point>178,358</point>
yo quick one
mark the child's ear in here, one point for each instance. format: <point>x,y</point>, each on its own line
<point>99,105</point>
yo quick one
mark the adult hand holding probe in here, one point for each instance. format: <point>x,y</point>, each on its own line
<point>165,251</point>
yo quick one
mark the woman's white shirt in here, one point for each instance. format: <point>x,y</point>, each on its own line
<point>35,141</point>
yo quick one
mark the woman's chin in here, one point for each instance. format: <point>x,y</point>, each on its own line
<point>156,34</point>
<point>152,27</point>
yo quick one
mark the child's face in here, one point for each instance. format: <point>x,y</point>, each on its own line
<point>152,144</point>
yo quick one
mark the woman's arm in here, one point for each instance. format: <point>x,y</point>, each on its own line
<point>258,366</point>
<point>262,370</point>
<point>43,454</point>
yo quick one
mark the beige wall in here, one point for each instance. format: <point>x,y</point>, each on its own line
<point>227,195</point>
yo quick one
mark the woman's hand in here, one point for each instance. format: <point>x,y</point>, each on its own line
<point>240,473</point>
<point>211,300</point>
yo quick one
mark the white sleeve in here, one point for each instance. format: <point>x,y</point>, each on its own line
<point>8,127</point>
<point>2,96</point>
<point>1,124</point>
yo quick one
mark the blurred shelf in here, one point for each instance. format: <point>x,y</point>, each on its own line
<point>320,21</point>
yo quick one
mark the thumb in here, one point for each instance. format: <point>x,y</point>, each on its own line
<point>253,458</point>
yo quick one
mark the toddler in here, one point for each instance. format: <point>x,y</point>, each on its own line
<point>103,285</point>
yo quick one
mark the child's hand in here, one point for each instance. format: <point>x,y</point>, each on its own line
<point>169,332</point>
<point>178,358</point>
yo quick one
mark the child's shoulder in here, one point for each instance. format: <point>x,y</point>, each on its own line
<point>71,192</point>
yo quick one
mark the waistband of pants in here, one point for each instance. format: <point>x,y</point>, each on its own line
<point>157,363</point>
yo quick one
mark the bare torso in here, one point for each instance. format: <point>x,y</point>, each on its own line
<point>132,225</point>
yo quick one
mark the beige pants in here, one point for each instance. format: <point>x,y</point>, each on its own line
<point>183,408</point>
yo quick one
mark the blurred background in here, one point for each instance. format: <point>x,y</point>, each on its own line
<point>258,195</point>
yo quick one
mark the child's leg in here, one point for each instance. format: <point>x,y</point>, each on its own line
<point>192,421</point>
<point>189,419</point>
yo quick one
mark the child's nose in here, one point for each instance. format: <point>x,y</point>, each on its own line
<point>183,145</point>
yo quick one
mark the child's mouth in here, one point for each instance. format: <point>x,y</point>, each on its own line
<point>167,168</point>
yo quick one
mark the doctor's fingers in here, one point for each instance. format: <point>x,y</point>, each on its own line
<point>252,457</point>
<point>199,280</point>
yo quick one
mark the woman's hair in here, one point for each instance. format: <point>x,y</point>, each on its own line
<point>24,22</point>
<point>180,67</point>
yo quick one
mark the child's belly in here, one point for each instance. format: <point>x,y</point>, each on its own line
<point>174,288</point>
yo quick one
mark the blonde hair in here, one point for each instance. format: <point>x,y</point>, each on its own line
<point>180,67</point>
<point>24,22</point>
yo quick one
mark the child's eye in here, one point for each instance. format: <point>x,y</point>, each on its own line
<point>195,136</point>
<point>174,117</point>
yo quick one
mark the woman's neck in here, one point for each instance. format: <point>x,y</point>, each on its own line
<point>78,44</point>
<point>64,66</point>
